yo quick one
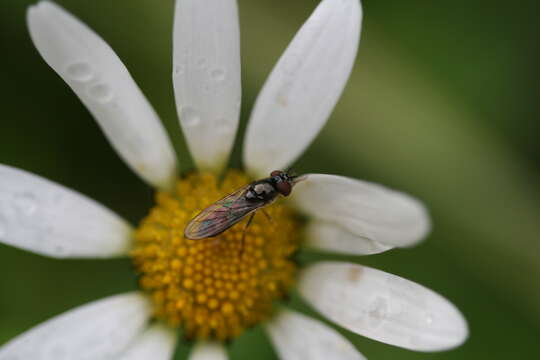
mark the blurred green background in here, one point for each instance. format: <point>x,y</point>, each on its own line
<point>442,103</point>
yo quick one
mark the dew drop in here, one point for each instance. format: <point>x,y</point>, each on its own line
<point>218,74</point>
<point>378,311</point>
<point>60,250</point>
<point>80,71</point>
<point>100,92</point>
<point>202,63</point>
<point>179,69</point>
<point>25,204</point>
<point>190,116</point>
<point>429,319</point>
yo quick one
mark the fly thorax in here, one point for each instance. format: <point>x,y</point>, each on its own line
<point>264,191</point>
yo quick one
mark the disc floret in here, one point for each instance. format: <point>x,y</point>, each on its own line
<point>215,287</point>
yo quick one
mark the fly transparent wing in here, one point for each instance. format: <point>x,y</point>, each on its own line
<point>221,215</point>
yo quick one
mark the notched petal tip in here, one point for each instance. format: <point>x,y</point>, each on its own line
<point>101,81</point>
<point>364,209</point>
<point>304,87</point>
<point>383,306</point>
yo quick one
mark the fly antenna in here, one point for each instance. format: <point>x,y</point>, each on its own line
<point>298,178</point>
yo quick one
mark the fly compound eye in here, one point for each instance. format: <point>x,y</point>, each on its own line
<point>276,173</point>
<point>284,188</point>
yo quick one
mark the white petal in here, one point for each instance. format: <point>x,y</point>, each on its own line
<point>303,88</point>
<point>383,306</point>
<point>97,330</point>
<point>366,210</point>
<point>98,77</point>
<point>206,77</point>
<point>298,337</point>
<point>208,351</point>
<point>156,343</point>
<point>333,238</point>
<point>49,219</point>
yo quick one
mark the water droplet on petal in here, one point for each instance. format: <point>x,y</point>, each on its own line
<point>100,92</point>
<point>202,63</point>
<point>60,250</point>
<point>189,116</point>
<point>179,69</point>
<point>80,71</point>
<point>429,319</point>
<point>218,74</point>
<point>25,204</point>
<point>377,311</point>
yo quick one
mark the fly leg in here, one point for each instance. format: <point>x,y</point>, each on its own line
<point>270,220</point>
<point>245,230</point>
<point>267,215</point>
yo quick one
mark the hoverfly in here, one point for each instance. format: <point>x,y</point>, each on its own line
<point>245,201</point>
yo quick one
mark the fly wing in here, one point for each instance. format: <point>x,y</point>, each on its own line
<point>221,215</point>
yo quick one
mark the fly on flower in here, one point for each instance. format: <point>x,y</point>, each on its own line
<point>245,201</point>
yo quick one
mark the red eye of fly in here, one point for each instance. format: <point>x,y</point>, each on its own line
<point>276,173</point>
<point>284,188</point>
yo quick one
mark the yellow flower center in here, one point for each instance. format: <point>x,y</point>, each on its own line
<point>215,287</point>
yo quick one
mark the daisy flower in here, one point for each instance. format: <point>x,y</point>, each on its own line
<point>213,290</point>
